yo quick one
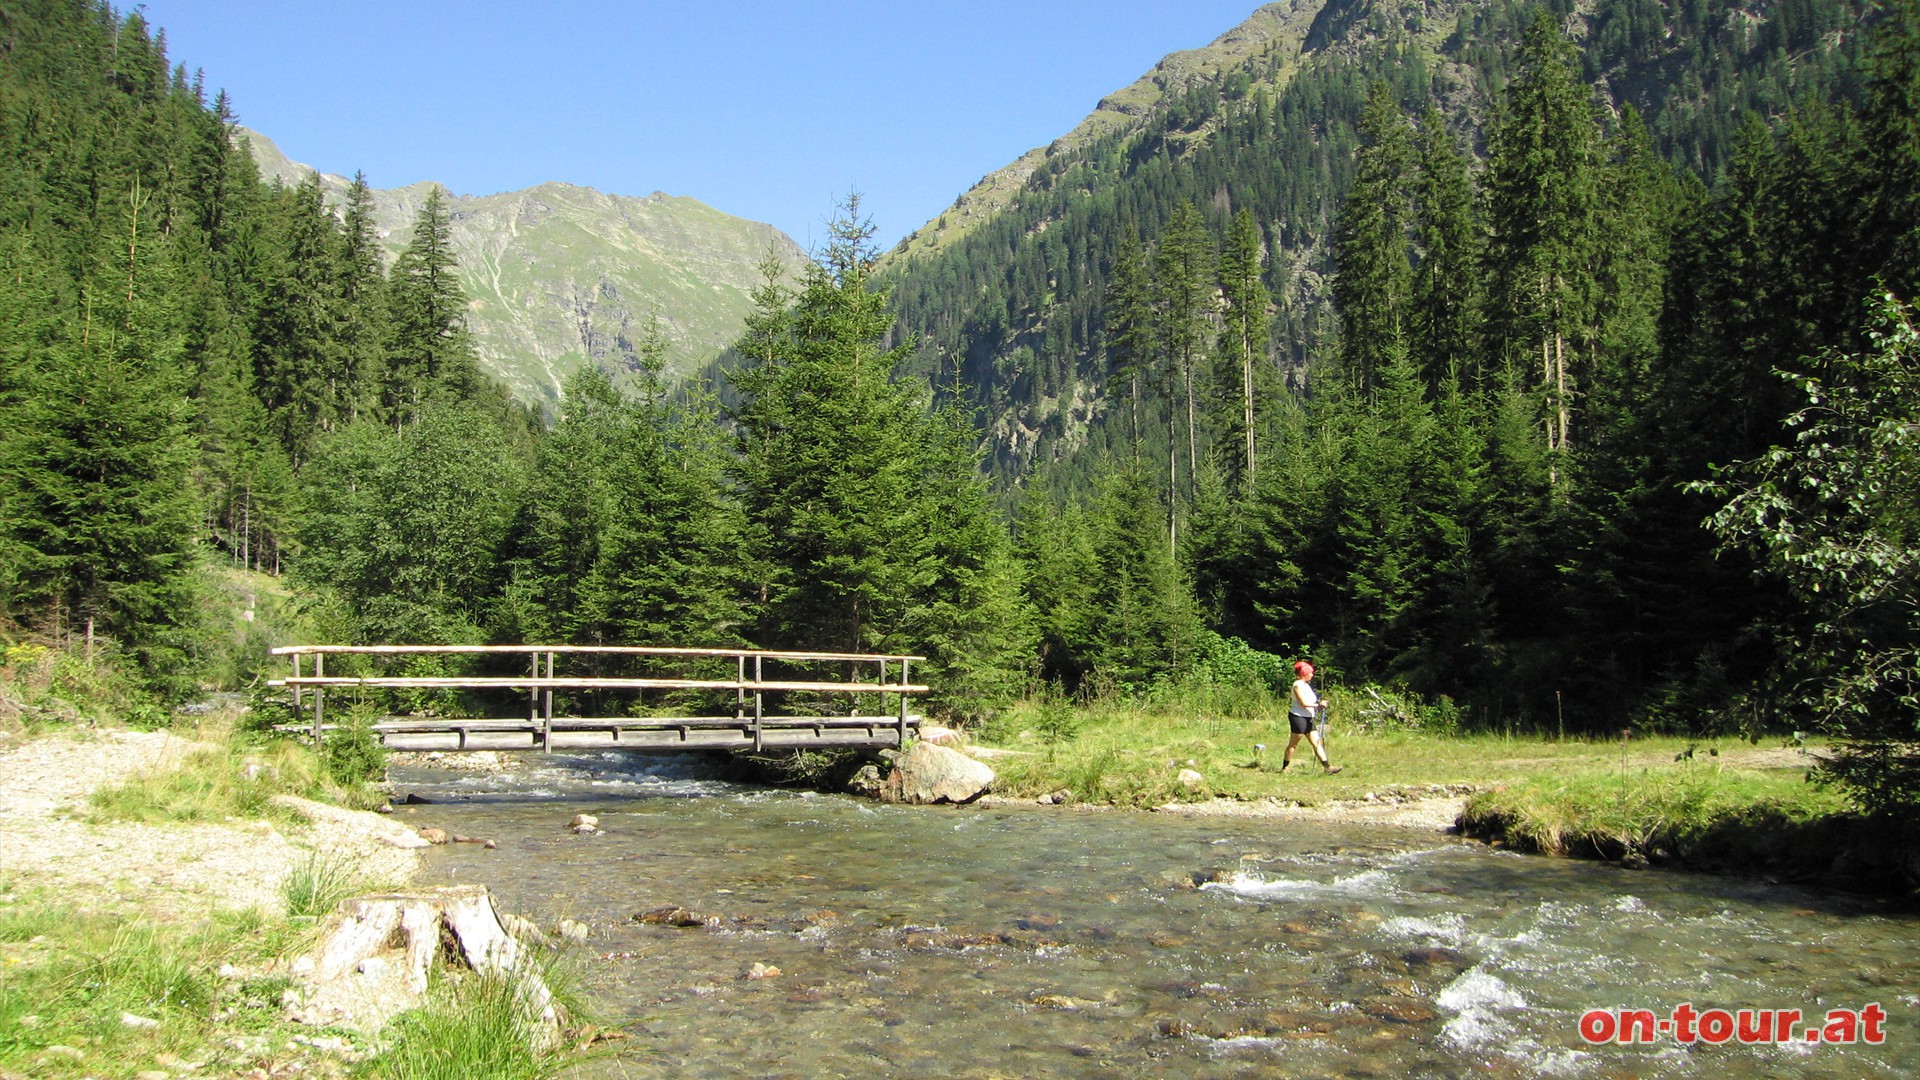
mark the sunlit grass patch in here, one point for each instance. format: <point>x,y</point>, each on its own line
<point>475,1025</point>
<point>226,781</point>
<point>1675,809</point>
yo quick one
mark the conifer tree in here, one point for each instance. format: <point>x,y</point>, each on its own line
<point>1542,186</point>
<point>867,515</point>
<point>1374,288</point>
<point>299,359</point>
<point>429,352</point>
<point>360,281</point>
<point>1243,345</point>
<point>1144,624</point>
<point>1183,267</point>
<point>93,465</point>
<point>1130,328</point>
<point>1445,321</point>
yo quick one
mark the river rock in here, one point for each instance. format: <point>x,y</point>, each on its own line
<point>1190,779</point>
<point>573,931</point>
<point>585,824</point>
<point>674,915</point>
<point>866,781</point>
<point>434,836</point>
<point>935,774</point>
<point>1438,957</point>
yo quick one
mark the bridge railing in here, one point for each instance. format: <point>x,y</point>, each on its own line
<point>752,686</point>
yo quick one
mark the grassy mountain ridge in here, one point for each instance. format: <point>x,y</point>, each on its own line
<point>558,275</point>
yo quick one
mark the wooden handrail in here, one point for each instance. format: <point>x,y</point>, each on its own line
<point>539,687</point>
<point>515,682</point>
<point>612,650</point>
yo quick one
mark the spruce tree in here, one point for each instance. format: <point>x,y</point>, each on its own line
<point>1542,185</point>
<point>94,462</point>
<point>1445,324</point>
<point>429,353</point>
<point>1243,346</point>
<point>1183,271</point>
<point>1129,336</point>
<point>1374,288</point>
<point>869,523</point>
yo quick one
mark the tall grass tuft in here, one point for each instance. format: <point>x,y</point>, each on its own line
<point>317,884</point>
<point>476,1026</point>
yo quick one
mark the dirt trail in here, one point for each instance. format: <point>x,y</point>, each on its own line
<point>160,871</point>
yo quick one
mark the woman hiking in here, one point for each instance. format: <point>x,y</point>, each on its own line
<point>1303,705</point>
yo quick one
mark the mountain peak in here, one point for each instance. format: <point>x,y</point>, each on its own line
<point>560,274</point>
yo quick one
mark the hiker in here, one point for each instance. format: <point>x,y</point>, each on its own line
<point>1302,707</point>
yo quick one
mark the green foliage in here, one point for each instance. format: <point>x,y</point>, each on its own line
<point>1054,720</point>
<point>1682,809</point>
<point>1379,708</point>
<point>315,885</point>
<point>352,754</point>
<point>867,525</point>
<point>478,1025</point>
<point>1834,516</point>
<point>405,525</point>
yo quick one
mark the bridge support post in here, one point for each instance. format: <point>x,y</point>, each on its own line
<point>900,736</point>
<point>319,696</point>
<point>757,705</point>
<point>546,719</point>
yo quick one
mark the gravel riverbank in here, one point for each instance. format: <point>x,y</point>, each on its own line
<point>174,870</point>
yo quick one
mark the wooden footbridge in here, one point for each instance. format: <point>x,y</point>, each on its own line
<point>778,699</point>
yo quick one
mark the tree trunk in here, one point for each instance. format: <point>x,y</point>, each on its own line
<point>375,957</point>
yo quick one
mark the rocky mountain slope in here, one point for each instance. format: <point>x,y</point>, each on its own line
<point>1004,291</point>
<point>558,275</point>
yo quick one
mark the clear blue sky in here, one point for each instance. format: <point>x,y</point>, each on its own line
<point>770,111</point>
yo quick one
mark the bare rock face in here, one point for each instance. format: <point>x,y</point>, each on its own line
<point>934,774</point>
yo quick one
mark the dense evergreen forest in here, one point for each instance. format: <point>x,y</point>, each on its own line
<point>1453,358</point>
<point>1438,350</point>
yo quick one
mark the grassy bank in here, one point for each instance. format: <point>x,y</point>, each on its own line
<point>111,982</point>
<point>1132,756</point>
<point>1723,805</point>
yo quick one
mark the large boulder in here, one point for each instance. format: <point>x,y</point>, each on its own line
<point>934,774</point>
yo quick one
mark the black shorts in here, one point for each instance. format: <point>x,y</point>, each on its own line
<point>1301,725</point>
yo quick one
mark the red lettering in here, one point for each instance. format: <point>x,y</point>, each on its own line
<point>1637,1026</point>
<point>1756,1025</point>
<point>1716,1026</point>
<point>1683,1016</point>
<point>1597,1026</point>
<point>1783,1024</point>
<point>1873,1016</point>
<point>1842,1026</point>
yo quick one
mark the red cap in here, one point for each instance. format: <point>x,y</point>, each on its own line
<point>1303,669</point>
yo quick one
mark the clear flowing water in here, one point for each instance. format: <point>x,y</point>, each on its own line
<point>967,942</point>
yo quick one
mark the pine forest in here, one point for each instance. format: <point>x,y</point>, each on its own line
<point>1553,366</point>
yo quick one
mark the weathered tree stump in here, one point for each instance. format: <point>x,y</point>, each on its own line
<point>376,952</point>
